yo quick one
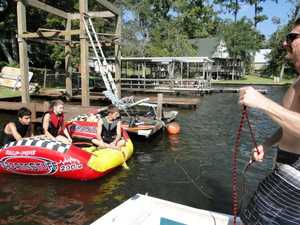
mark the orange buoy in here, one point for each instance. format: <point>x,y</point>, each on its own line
<point>173,128</point>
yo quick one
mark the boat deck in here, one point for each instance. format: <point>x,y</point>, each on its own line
<point>145,210</point>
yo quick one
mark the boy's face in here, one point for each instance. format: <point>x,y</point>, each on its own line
<point>114,115</point>
<point>25,120</point>
<point>59,109</point>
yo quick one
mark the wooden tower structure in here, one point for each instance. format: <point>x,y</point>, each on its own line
<point>110,11</point>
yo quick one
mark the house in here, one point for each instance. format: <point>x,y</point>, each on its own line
<point>261,60</point>
<point>215,48</point>
<point>210,47</point>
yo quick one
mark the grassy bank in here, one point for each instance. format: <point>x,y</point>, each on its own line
<point>8,92</point>
<point>255,80</point>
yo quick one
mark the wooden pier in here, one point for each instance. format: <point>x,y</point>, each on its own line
<point>38,107</point>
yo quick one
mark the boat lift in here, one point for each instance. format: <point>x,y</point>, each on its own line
<point>105,70</point>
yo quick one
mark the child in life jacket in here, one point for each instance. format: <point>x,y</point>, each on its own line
<point>53,123</point>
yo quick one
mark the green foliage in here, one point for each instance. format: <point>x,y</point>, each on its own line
<point>166,40</point>
<point>242,39</point>
<point>164,27</point>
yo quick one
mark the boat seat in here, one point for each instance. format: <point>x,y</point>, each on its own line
<point>40,142</point>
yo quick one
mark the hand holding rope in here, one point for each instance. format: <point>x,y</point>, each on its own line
<point>234,160</point>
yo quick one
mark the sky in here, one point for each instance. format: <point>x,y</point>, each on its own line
<point>282,10</point>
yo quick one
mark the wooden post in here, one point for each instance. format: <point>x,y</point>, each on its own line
<point>68,60</point>
<point>46,106</point>
<point>32,108</point>
<point>118,55</point>
<point>159,106</point>
<point>144,73</point>
<point>45,78</point>
<point>84,55</point>
<point>23,54</point>
<point>181,70</point>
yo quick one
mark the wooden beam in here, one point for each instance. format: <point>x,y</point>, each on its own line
<point>23,54</point>
<point>68,68</point>
<point>84,55</point>
<point>109,6</point>
<point>118,56</point>
<point>102,14</point>
<point>48,34</point>
<point>47,8</point>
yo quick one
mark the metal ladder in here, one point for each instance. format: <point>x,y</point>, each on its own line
<point>111,89</point>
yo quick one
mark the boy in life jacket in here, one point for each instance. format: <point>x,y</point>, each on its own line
<point>53,123</point>
<point>109,130</point>
<point>15,131</point>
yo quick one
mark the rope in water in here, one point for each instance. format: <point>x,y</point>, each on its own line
<point>234,160</point>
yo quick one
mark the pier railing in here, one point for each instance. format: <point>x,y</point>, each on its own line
<point>141,84</point>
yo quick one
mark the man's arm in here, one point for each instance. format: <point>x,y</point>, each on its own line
<point>11,129</point>
<point>46,122</point>
<point>259,152</point>
<point>273,140</point>
<point>285,118</point>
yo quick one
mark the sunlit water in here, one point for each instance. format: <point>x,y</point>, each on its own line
<point>193,168</point>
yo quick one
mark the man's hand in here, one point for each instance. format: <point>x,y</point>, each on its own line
<point>252,98</point>
<point>258,153</point>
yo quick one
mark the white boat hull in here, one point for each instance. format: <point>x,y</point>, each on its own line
<point>145,210</point>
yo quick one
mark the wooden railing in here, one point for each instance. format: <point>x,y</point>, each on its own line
<point>165,84</point>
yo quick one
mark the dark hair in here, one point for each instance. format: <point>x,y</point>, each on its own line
<point>24,112</point>
<point>55,103</point>
<point>297,22</point>
<point>112,109</point>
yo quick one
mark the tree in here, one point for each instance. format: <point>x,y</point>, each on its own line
<point>163,27</point>
<point>231,6</point>
<point>196,18</point>
<point>242,39</point>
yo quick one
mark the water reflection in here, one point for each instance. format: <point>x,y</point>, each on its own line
<point>174,142</point>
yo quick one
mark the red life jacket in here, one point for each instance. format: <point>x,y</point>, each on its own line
<point>56,123</point>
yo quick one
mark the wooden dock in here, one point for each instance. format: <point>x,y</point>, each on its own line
<point>98,98</point>
<point>189,102</point>
<point>38,107</point>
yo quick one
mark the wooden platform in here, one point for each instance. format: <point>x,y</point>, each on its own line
<point>36,107</point>
<point>174,101</point>
<point>168,100</point>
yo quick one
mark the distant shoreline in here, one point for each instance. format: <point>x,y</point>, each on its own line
<point>254,80</point>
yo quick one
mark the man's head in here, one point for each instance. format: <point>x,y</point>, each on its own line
<point>24,116</point>
<point>57,106</point>
<point>113,112</point>
<point>292,43</point>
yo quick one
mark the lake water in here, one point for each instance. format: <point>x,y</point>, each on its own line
<point>193,168</point>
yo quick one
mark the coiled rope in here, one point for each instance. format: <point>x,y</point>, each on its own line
<point>244,115</point>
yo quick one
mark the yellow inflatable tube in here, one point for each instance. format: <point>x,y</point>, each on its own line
<point>104,159</point>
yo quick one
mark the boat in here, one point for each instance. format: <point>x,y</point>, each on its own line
<point>139,120</point>
<point>153,211</point>
<point>41,156</point>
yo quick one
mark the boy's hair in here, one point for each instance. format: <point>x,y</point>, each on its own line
<point>112,109</point>
<point>55,103</point>
<point>24,112</point>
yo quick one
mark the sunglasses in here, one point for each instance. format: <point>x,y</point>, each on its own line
<point>290,37</point>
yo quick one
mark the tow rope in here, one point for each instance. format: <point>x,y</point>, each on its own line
<point>244,115</point>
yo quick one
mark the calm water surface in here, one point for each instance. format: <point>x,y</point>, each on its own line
<point>193,168</point>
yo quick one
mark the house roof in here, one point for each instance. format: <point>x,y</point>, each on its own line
<point>208,47</point>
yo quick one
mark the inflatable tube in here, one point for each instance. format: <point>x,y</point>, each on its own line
<point>41,156</point>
